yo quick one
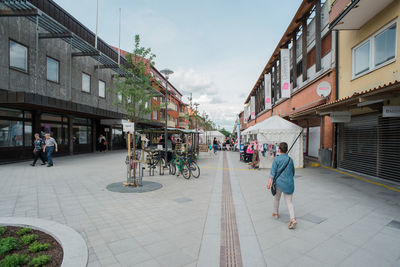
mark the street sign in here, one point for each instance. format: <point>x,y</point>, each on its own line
<point>340,116</point>
<point>128,127</point>
<point>391,111</point>
<point>324,89</point>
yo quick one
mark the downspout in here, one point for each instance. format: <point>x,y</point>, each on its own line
<point>336,133</point>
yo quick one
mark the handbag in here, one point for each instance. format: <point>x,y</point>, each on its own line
<point>273,186</point>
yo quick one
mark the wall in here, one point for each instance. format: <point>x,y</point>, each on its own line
<point>350,39</point>
<point>23,31</point>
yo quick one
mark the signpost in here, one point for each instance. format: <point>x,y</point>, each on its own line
<point>324,89</point>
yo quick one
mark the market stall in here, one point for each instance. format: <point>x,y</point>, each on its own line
<point>207,137</point>
<point>273,131</point>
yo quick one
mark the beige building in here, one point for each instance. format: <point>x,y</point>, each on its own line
<point>367,111</point>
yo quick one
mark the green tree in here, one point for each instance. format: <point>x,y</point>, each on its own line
<point>225,132</point>
<point>135,90</point>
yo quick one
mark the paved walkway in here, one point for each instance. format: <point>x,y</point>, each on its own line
<point>341,221</point>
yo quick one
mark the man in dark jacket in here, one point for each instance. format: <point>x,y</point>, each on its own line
<point>38,148</point>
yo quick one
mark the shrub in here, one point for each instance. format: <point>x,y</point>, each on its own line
<point>27,239</point>
<point>2,230</point>
<point>14,260</point>
<point>36,247</point>
<point>24,231</point>
<point>39,261</point>
<point>7,244</point>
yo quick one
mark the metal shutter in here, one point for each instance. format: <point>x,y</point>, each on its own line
<point>389,149</point>
<point>360,145</point>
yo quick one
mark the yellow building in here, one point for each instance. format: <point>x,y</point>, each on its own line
<point>367,111</point>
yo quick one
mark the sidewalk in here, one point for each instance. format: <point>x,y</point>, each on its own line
<point>342,221</point>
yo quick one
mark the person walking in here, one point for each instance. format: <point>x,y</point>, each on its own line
<point>38,148</point>
<point>282,173</point>
<point>49,148</point>
<point>215,145</point>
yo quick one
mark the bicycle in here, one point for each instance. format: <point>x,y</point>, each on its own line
<point>180,163</point>
<point>193,166</point>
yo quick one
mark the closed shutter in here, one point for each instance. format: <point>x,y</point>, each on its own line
<point>371,145</point>
<point>360,145</point>
<point>389,149</point>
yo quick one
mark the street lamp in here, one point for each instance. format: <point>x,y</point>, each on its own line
<point>197,136</point>
<point>166,73</point>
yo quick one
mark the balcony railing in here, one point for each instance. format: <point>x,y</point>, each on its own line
<point>182,114</point>
<point>170,106</point>
<point>171,124</point>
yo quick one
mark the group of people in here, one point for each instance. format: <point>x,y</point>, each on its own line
<point>41,146</point>
<point>229,143</point>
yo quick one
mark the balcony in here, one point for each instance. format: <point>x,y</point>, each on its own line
<point>182,114</point>
<point>184,124</point>
<point>171,106</point>
<point>351,15</point>
<point>171,124</point>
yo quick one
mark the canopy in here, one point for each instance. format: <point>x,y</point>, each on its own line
<point>275,130</point>
<point>208,137</point>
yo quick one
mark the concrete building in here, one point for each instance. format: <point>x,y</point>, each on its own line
<point>310,80</point>
<point>54,76</point>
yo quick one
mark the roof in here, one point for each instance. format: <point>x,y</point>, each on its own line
<point>275,123</point>
<point>352,99</point>
<point>305,7</point>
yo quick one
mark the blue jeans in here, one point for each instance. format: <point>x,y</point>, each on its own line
<point>215,148</point>
<point>49,151</point>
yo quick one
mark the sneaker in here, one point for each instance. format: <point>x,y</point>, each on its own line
<point>292,224</point>
<point>48,165</point>
<point>33,165</point>
<point>43,163</point>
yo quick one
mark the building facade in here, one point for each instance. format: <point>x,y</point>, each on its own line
<point>367,112</point>
<point>306,56</point>
<point>54,76</point>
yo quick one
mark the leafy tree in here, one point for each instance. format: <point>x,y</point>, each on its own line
<point>225,132</point>
<point>135,90</point>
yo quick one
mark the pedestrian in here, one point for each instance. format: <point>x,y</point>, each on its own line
<point>49,148</point>
<point>282,173</point>
<point>101,144</point>
<point>215,145</point>
<point>38,148</point>
<point>227,144</point>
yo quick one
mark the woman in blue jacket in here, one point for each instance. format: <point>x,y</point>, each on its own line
<point>283,164</point>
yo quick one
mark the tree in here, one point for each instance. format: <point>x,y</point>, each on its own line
<point>225,132</point>
<point>135,90</point>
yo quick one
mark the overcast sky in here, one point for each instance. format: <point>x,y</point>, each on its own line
<point>217,48</point>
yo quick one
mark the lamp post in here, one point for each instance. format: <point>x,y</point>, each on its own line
<point>166,73</point>
<point>197,136</point>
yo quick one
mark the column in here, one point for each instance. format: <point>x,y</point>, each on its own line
<point>71,135</point>
<point>304,47</point>
<point>317,35</point>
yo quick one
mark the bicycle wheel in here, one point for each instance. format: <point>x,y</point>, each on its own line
<point>194,169</point>
<point>185,170</point>
<point>172,168</point>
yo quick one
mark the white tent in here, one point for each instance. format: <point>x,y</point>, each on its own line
<point>275,130</point>
<point>208,137</point>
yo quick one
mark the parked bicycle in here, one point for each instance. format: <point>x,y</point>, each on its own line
<point>193,166</point>
<point>180,164</point>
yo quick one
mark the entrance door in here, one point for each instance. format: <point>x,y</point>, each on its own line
<point>314,136</point>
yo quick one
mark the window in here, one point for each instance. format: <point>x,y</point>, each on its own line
<point>102,89</point>
<point>361,59</point>
<point>85,83</point>
<point>376,51</point>
<point>52,70</point>
<point>385,45</point>
<point>18,56</point>
<point>56,125</point>
<point>82,131</point>
<point>11,133</point>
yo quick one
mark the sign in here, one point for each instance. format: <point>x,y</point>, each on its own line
<point>267,88</point>
<point>285,73</point>
<point>253,107</point>
<point>340,116</point>
<point>128,127</point>
<point>324,89</point>
<point>246,113</point>
<point>391,111</point>
<point>238,133</point>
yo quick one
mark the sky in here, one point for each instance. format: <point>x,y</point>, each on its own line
<point>216,48</point>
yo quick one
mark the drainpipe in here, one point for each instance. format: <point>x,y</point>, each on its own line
<point>336,130</point>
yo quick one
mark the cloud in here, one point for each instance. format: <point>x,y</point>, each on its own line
<point>193,81</point>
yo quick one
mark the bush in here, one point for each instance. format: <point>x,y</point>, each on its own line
<point>14,260</point>
<point>2,230</point>
<point>36,247</point>
<point>39,261</point>
<point>24,231</point>
<point>27,239</point>
<point>7,244</point>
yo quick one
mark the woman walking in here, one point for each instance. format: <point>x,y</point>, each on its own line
<point>282,173</point>
<point>215,145</point>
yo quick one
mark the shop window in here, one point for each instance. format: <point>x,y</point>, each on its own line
<point>82,134</point>
<point>53,70</point>
<point>375,52</point>
<point>11,133</point>
<point>18,56</point>
<point>85,83</point>
<point>6,112</point>
<point>28,133</point>
<point>102,89</point>
<point>54,129</point>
